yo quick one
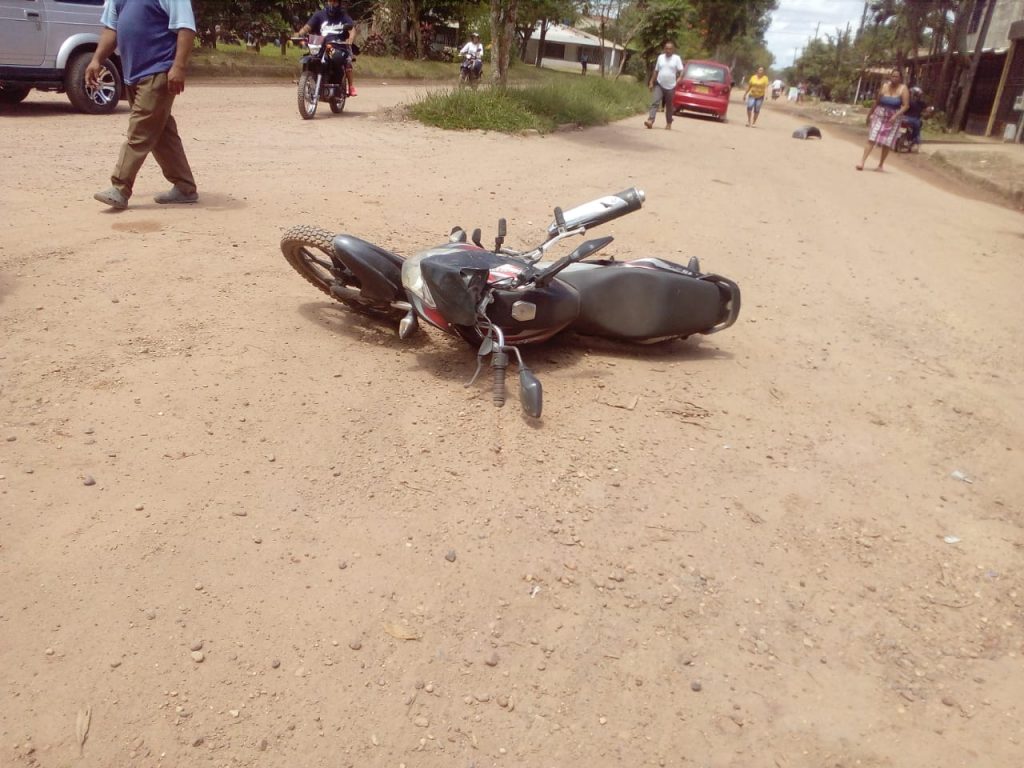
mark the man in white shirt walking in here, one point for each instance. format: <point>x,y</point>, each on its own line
<point>668,71</point>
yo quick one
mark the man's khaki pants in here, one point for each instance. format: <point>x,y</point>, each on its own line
<point>151,129</point>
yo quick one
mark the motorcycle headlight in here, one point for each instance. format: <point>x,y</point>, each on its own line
<point>314,49</point>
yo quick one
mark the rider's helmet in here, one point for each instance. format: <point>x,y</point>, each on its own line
<point>475,37</point>
<point>334,11</point>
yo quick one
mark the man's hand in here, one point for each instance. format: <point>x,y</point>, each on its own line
<point>176,74</point>
<point>92,73</point>
<point>106,46</point>
<point>176,79</point>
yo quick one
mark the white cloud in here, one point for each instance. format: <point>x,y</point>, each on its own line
<point>794,23</point>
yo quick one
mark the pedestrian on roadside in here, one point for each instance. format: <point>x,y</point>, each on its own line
<point>584,60</point>
<point>884,119</point>
<point>757,86</point>
<point>667,72</point>
<point>154,38</point>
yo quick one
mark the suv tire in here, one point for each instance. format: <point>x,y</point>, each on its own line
<point>12,94</point>
<point>95,101</point>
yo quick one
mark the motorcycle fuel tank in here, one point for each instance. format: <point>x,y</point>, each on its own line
<point>453,279</point>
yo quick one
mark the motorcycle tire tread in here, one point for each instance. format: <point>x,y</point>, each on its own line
<point>304,113</point>
<point>317,238</point>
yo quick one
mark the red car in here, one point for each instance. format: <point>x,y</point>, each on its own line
<point>705,88</point>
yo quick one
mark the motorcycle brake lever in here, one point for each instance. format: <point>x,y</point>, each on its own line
<point>485,349</point>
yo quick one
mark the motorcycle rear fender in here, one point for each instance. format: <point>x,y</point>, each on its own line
<point>379,271</point>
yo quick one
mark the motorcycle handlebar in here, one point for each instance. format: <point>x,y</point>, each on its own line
<point>600,211</point>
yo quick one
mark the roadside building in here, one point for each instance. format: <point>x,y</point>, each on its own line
<point>564,47</point>
<point>1000,80</point>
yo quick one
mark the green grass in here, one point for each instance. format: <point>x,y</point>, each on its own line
<point>541,106</point>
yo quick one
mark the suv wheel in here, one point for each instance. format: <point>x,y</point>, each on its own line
<point>100,100</point>
<point>12,94</point>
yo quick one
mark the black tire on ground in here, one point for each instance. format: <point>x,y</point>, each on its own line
<point>101,100</point>
<point>307,97</point>
<point>309,250</point>
<point>13,94</point>
<point>338,102</point>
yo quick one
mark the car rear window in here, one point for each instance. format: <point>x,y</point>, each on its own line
<point>705,73</point>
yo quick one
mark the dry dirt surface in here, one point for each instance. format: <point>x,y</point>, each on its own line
<point>240,526</point>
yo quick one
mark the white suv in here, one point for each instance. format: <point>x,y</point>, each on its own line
<point>47,44</point>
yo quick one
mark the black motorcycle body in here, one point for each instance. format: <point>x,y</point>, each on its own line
<point>499,299</point>
<point>323,73</point>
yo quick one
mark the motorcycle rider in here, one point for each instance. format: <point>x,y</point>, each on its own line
<point>915,114</point>
<point>474,52</point>
<point>330,22</point>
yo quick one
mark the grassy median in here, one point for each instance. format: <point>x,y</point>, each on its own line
<point>542,107</point>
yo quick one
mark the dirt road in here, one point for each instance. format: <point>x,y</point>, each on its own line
<point>743,550</point>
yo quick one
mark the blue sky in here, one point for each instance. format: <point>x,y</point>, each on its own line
<point>793,24</point>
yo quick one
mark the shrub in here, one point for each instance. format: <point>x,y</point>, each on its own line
<point>544,106</point>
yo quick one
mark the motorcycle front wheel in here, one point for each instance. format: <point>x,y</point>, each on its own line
<point>309,250</point>
<point>308,95</point>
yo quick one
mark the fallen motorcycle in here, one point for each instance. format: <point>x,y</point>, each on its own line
<point>499,299</point>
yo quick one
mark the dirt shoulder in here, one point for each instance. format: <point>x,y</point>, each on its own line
<point>241,526</point>
<point>985,169</point>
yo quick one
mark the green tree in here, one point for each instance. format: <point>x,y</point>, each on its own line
<point>540,12</point>
<point>721,21</point>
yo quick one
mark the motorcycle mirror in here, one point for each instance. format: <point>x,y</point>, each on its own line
<point>408,325</point>
<point>457,235</point>
<point>531,393</point>
<point>476,238</point>
<point>559,219</point>
<point>502,227</point>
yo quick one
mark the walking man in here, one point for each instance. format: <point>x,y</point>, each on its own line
<point>155,39</point>
<point>756,88</point>
<point>667,72</point>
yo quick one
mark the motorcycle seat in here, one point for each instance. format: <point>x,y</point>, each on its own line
<point>643,304</point>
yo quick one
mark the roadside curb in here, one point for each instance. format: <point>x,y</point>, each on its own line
<point>946,162</point>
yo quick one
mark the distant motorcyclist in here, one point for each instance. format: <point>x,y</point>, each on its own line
<point>331,23</point>
<point>915,114</point>
<point>472,53</point>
